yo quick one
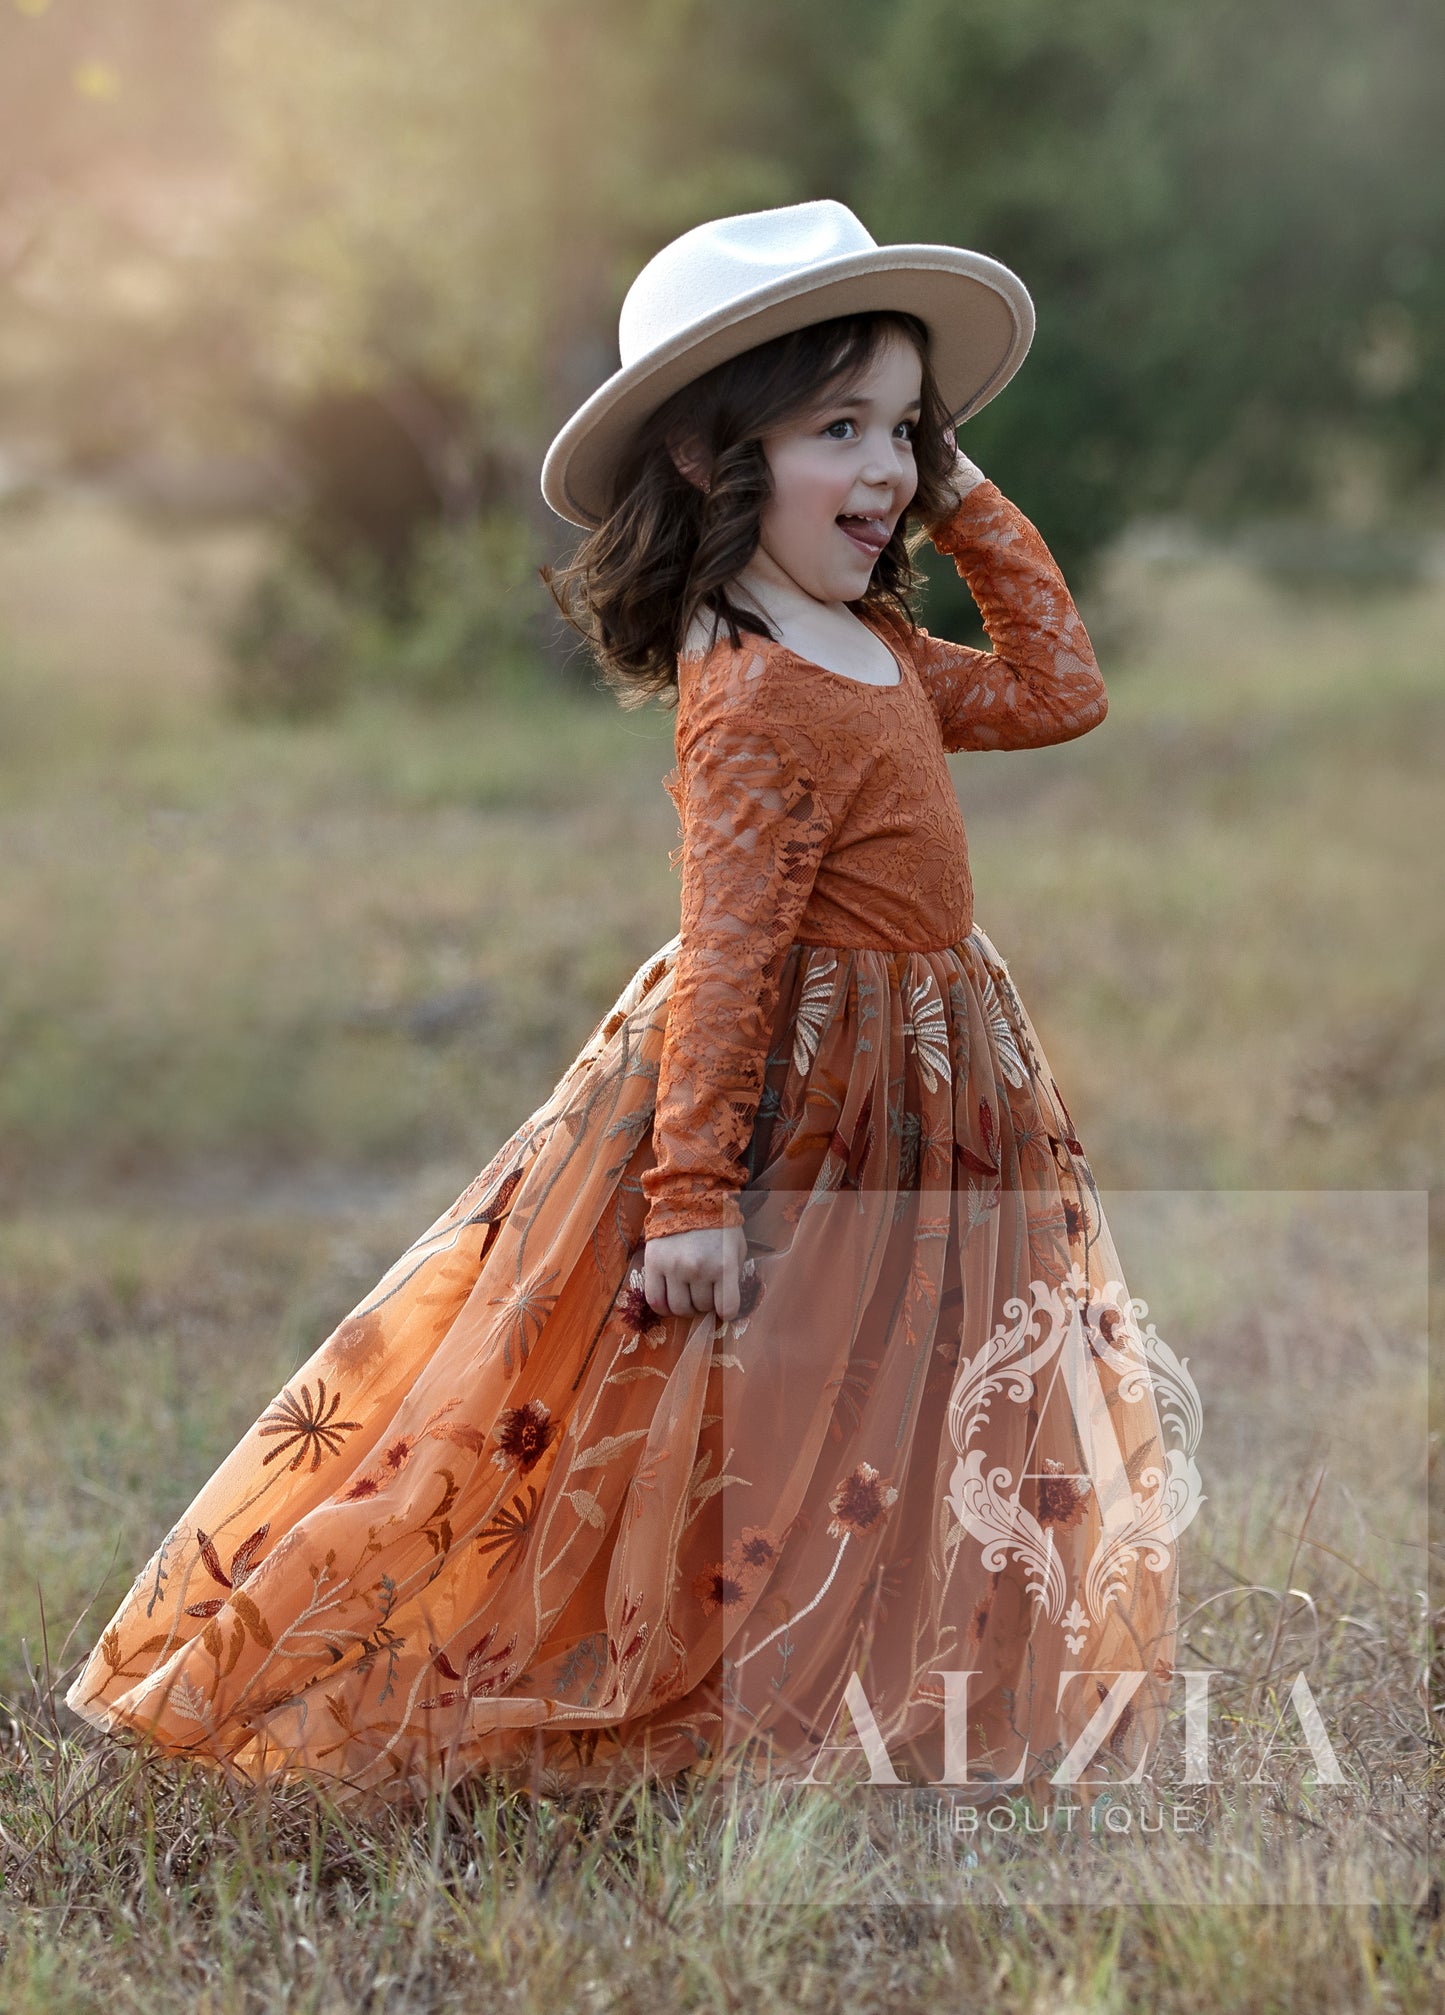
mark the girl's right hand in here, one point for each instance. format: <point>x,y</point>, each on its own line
<point>695,1272</point>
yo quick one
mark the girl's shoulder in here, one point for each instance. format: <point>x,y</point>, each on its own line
<point>720,683</point>
<point>758,684</point>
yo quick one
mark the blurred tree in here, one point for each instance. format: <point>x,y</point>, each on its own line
<point>1231,216</point>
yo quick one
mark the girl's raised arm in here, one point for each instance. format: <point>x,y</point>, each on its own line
<point>754,833</point>
<point>1040,683</point>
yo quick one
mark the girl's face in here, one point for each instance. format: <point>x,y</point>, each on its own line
<point>842,478</point>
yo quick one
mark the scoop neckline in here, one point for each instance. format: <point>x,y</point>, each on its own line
<point>867,685</point>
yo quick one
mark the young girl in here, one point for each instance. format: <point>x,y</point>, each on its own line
<point>778,1364</point>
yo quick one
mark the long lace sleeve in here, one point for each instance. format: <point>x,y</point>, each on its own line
<point>1040,683</point>
<point>754,832</point>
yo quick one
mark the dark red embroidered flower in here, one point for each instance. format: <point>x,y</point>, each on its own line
<point>1076,1221</point>
<point>718,1587</point>
<point>1061,1501</point>
<point>753,1552</point>
<point>639,1317</point>
<point>859,1501</point>
<point>364,1486</point>
<point>524,1434</point>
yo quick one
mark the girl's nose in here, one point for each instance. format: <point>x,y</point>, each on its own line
<point>885,463</point>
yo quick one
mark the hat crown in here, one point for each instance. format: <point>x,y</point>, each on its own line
<point>711,268</point>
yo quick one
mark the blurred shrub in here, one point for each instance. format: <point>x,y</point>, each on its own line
<point>471,627</point>
<point>304,639</point>
<point>288,644</point>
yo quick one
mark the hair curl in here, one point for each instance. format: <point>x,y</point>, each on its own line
<point>667,551</point>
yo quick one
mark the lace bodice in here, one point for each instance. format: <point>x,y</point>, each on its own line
<point>819,809</point>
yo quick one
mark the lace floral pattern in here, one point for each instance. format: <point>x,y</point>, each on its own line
<point>819,810</point>
<point>1040,683</point>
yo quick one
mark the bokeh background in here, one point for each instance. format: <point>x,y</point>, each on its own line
<point>321,852</point>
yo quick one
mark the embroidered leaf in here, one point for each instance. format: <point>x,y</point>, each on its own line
<point>714,1484</point>
<point>212,1558</point>
<point>238,1638</point>
<point>586,1506</point>
<point>471,1438</point>
<point>605,1450</point>
<point>1139,1457</point>
<point>254,1621</point>
<point>244,1558</point>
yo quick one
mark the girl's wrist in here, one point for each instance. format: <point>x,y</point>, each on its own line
<point>964,478</point>
<point>965,475</point>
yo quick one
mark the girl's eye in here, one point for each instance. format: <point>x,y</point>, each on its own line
<point>836,430</point>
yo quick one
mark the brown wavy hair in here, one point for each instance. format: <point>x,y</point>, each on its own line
<point>667,551</point>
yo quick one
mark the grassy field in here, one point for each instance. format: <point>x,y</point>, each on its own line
<point>270,995</point>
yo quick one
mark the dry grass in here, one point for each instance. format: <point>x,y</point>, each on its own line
<point>270,996</point>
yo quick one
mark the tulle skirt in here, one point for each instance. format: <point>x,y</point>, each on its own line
<point>910,1518</point>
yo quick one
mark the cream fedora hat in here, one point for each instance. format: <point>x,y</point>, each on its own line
<point>725,286</point>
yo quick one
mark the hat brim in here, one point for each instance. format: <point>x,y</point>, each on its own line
<point>978,314</point>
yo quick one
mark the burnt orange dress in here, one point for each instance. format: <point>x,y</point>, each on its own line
<point>909,1517</point>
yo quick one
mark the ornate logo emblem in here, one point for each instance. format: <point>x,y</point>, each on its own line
<point>1069,1331</point>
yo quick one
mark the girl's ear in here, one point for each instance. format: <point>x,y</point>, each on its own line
<point>689,459</point>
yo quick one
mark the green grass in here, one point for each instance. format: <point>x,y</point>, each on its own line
<point>269,996</point>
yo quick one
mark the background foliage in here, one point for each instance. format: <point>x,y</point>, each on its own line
<point>379,250</point>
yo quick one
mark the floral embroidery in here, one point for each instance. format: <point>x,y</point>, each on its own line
<point>719,1587</point>
<point>753,1553</point>
<point>524,1434</point>
<point>242,1562</point>
<point>1061,1500</point>
<point>506,1532</point>
<point>477,1678</point>
<point>641,1321</point>
<point>859,1502</point>
<point>310,1427</point>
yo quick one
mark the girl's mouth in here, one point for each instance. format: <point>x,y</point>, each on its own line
<point>869,534</point>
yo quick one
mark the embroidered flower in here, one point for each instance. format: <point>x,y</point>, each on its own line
<point>524,1434</point>
<point>310,1426</point>
<point>753,1552</point>
<point>641,1321</point>
<point>1061,1500</point>
<point>859,1501</point>
<point>718,1587</point>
